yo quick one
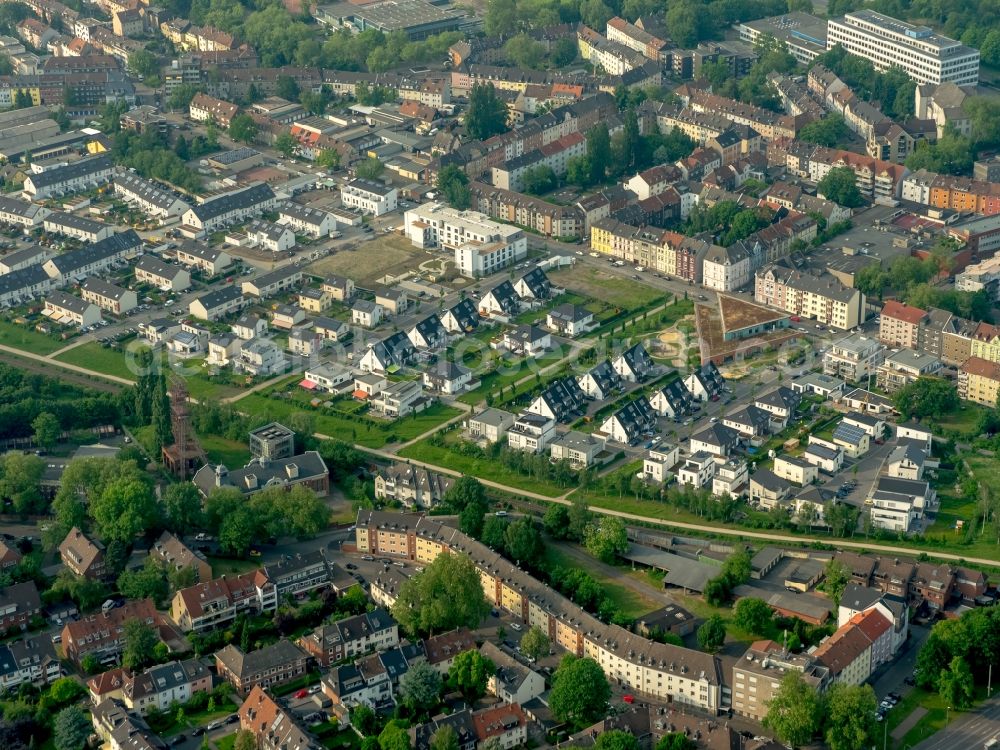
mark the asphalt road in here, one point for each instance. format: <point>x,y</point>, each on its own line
<point>970,731</point>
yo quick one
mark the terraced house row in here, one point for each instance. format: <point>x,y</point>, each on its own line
<point>657,670</point>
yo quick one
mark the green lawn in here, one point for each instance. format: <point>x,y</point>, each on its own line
<point>230,566</point>
<point>509,372</point>
<point>220,450</point>
<point>483,468</point>
<point>612,288</point>
<point>628,601</point>
<point>200,386</point>
<point>94,357</point>
<point>963,420</point>
<point>22,337</point>
<point>365,432</point>
<point>227,742</point>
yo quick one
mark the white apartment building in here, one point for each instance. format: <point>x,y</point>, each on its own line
<point>369,196</point>
<point>853,357</point>
<point>481,245</point>
<point>927,57</point>
<point>531,432</point>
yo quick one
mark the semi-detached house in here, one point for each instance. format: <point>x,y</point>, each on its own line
<point>107,296</point>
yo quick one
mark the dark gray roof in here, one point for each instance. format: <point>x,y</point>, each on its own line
<point>240,199</point>
<point>466,314</point>
<point>270,657</point>
<point>770,481</point>
<point>114,245</point>
<point>76,170</point>
<point>23,279</point>
<point>606,377</point>
<point>152,264</point>
<point>279,471</point>
<point>849,433</point>
<point>220,296</point>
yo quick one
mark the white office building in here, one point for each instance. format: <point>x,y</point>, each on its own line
<point>926,56</point>
<point>369,196</point>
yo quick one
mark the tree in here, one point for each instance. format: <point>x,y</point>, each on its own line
<point>501,18</point>
<point>871,280</point>
<point>676,741</point>
<point>124,509</point>
<point>71,729</point>
<point>446,595</point>
<point>364,719</point>
<point>579,519</point>
<point>463,491</point>
<point>578,171</point>
<point>472,518</point>
<point>580,691</point>
<point>494,530</point>
<point>285,144</point>
<point>538,180</point>
<point>182,507</point>
<point>328,159</point>
<point>288,88</point>
<point>926,397</point>
<point>952,154</point>
<point>47,429</point>
<point>556,521</point>
<point>712,634</point>
<point>469,673</point>
<point>369,169</point>
<point>826,132</point>
<point>148,582</point>
<point>535,643</point>
<point>598,152</point>
<point>630,142</point>
<point>444,738</point>
<point>850,717</point>
<point>956,684</point>
<point>142,63</point>
<point>453,183</point>
<point>616,739</point>
<point>753,615</point>
<point>794,712</point>
<point>140,641</point>
<point>245,740</point>
<point>524,51</point>
<point>522,541</point>
<point>394,737</point>
<point>20,482</point>
<point>486,114</point>
<point>86,592</point>
<point>242,128</point>
<point>607,538</point>
<point>420,687</point>
<point>840,186</point>
<point>837,578</point>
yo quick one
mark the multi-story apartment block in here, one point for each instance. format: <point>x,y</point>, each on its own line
<point>29,660</point>
<point>102,633</point>
<point>204,108</point>
<point>351,637</point>
<point>853,357</point>
<point>412,486</point>
<point>905,366</point>
<point>900,324</point>
<point>757,675</point>
<point>820,297</point>
<point>265,667</point>
<point>985,342</point>
<point>549,219</point>
<point>979,381</point>
<point>215,603</point>
<point>926,57</point>
<point>481,246</point>
<point>661,671</point>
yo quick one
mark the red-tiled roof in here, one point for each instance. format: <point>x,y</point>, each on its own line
<point>904,312</point>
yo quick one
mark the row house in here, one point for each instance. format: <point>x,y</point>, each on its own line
<point>102,634</point>
<point>769,124</point>
<point>149,196</point>
<point>93,259</point>
<point>412,486</point>
<point>66,309</point>
<point>21,213</point>
<point>77,227</point>
<point>227,208</point>
<point>549,219</point>
<point>89,172</point>
<point>107,296</point>
<point>875,178</point>
<point>149,269</point>
<point>204,258</point>
<point>272,727</point>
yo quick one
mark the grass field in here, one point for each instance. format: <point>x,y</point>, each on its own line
<point>629,601</point>
<point>605,286</point>
<point>20,337</point>
<point>964,420</point>
<point>370,434</point>
<point>229,566</point>
<point>220,450</point>
<point>482,468</point>
<point>96,358</point>
<point>509,372</point>
<point>384,254</point>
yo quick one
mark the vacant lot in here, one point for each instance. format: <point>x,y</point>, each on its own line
<point>96,358</point>
<point>370,261</point>
<point>23,338</point>
<point>605,286</point>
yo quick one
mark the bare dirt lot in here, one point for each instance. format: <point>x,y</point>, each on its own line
<point>370,261</point>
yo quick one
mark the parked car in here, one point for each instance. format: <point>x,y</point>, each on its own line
<point>301,693</point>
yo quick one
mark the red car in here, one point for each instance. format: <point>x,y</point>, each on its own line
<point>302,693</point>
<point>795,319</point>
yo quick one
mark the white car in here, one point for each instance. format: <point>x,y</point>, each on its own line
<point>516,626</point>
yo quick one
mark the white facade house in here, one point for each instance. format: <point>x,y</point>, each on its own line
<point>490,425</point>
<point>657,464</point>
<point>369,196</point>
<point>274,237</point>
<point>926,57</point>
<point>168,278</point>
<point>148,196</point>
<point>66,309</point>
<point>531,432</point>
<point>481,245</point>
<point>77,227</point>
<point>230,207</point>
<point>209,260</point>
<point>87,173</point>
<point>306,220</point>
<point>21,213</point>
